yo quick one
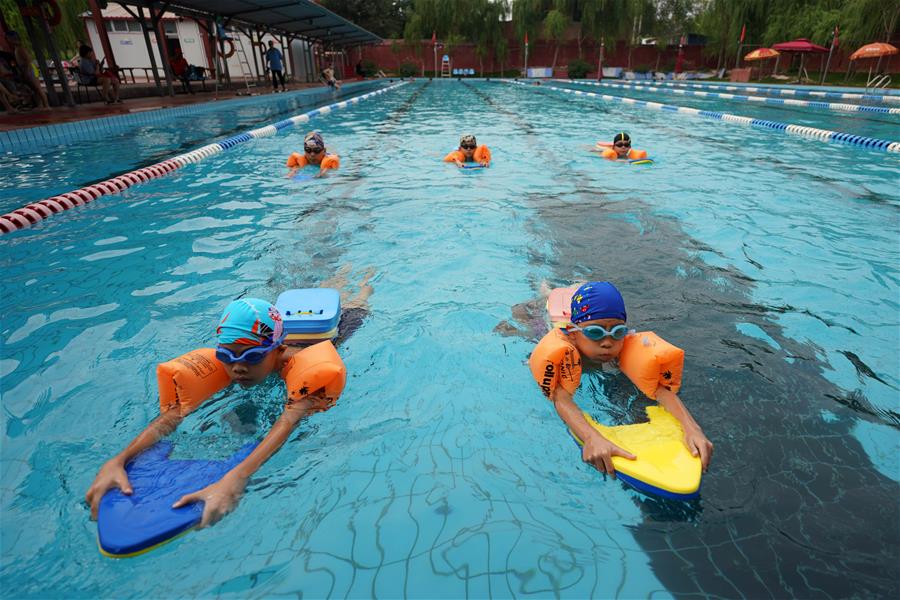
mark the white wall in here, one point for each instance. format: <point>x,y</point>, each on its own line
<point>130,49</point>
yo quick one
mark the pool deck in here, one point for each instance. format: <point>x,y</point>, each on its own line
<point>94,110</point>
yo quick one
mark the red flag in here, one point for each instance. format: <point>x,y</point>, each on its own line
<point>526,38</point>
<point>433,38</point>
<point>836,43</point>
<point>743,32</point>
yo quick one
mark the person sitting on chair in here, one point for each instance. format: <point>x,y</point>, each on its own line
<point>91,74</point>
<point>183,71</point>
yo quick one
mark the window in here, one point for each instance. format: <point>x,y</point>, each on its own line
<point>108,25</point>
<point>120,25</point>
<point>170,28</point>
<point>134,26</point>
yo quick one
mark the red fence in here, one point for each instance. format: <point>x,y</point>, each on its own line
<point>391,54</point>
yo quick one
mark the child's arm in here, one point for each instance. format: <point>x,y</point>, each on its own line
<point>112,474</point>
<point>597,451</point>
<point>222,497</point>
<point>694,438</point>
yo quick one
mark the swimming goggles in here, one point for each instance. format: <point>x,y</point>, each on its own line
<point>251,356</point>
<point>623,145</point>
<point>467,147</point>
<point>597,333</point>
<point>313,149</point>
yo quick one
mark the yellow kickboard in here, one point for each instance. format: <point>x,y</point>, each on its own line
<point>664,466</point>
<point>308,337</point>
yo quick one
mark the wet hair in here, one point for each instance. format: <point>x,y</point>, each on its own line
<point>84,50</point>
<point>622,137</point>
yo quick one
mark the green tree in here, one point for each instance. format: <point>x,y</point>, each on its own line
<point>555,24</point>
<point>384,18</point>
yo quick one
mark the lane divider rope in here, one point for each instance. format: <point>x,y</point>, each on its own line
<point>811,132</point>
<point>778,91</point>
<point>745,98</point>
<point>38,211</point>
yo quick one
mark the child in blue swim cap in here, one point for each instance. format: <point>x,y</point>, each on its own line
<point>597,332</point>
<point>249,348</point>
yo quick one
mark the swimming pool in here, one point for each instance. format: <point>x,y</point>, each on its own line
<point>442,472</point>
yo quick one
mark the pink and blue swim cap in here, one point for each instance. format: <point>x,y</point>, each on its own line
<point>250,322</point>
<point>597,300</point>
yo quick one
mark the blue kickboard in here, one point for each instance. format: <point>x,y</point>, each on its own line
<point>130,525</point>
<point>309,310</point>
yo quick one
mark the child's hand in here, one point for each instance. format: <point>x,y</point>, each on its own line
<point>598,451</point>
<point>485,163</point>
<point>111,476</point>
<point>458,163</point>
<point>697,443</point>
<point>219,498</point>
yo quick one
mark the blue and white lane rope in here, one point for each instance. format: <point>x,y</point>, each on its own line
<point>38,211</point>
<point>778,91</point>
<point>820,134</point>
<point>744,98</point>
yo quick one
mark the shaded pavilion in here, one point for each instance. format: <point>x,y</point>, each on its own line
<point>288,20</point>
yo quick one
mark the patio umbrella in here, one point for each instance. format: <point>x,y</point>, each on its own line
<point>801,46</point>
<point>876,50</point>
<point>762,54</point>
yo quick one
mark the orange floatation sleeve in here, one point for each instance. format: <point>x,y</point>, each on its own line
<point>318,367</point>
<point>554,362</point>
<point>187,381</point>
<point>296,160</point>
<point>331,161</point>
<point>482,153</point>
<point>633,154</point>
<point>651,362</point>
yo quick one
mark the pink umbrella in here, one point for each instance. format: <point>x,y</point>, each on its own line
<point>801,46</point>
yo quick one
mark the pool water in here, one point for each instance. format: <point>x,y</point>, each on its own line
<point>442,472</point>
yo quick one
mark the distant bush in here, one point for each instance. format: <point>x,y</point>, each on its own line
<point>369,68</point>
<point>408,69</point>
<point>578,69</point>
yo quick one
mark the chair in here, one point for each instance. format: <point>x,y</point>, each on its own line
<point>83,82</point>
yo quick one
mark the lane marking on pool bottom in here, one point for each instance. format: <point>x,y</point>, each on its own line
<point>823,135</point>
<point>36,212</point>
<point>854,108</point>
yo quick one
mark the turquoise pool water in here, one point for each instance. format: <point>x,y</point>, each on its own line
<point>442,472</point>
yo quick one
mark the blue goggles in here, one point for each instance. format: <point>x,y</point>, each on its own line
<point>597,332</point>
<point>251,356</point>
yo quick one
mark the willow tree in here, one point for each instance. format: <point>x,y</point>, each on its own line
<point>554,28</point>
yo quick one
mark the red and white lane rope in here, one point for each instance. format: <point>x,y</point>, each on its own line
<point>38,211</point>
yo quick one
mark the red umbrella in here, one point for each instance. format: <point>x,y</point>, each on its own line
<point>801,46</point>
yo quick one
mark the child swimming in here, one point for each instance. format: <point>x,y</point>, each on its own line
<point>597,333</point>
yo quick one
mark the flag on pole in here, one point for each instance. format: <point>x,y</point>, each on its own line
<point>433,38</point>
<point>835,42</point>
<point>743,32</point>
<point>526,38</point>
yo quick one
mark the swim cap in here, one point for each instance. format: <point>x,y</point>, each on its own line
<point>621,137</point>
<point>467,138</point>
<point>313,139</point>
<point>250,321</point>
<point>597,300</point>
